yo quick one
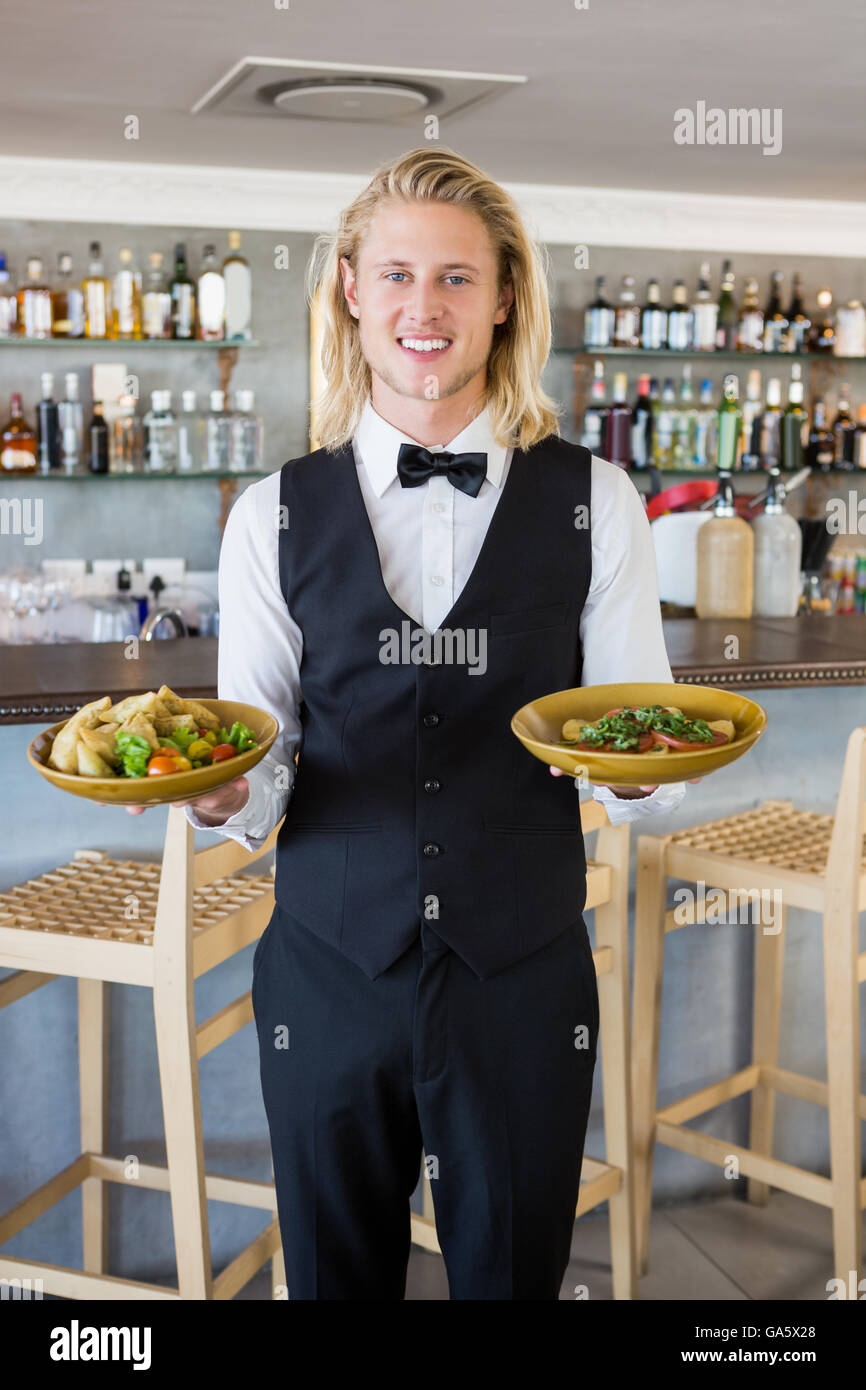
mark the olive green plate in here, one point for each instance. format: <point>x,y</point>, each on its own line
<point>538,725</point>
<point>169,786</point>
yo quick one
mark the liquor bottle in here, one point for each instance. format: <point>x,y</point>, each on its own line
<point>844,431</point>
<point>246,435</point>
<point>654,319</point>
<point>798,320</point>
<point>726,547</point>
<point>679,320</point>
<point>211,297</point>
<point>729,426</point>
<point>126,438</point>
<point>626,332</point>
<point>775,322</point>
<point>160,435</point>
<point>726,325</point>
<point>642,425</point>
<point>34,303</point>
<point>598,320</point>
<point>823,337</point>
<point>705,314</point>
<point>821,449</point>
<point>70,416</point>
<point>666,426</point>
<point>98,440</point>
<point>686,424</point>
<point>618,430</point>
<point>182,296</point>
<point>851,330</point>
<point>48,426</point>
<point>770,439</point>
<point>750,457</point>
<point>860,438</point>
<point>217,435</point>
<point>795,424</point>
<point>126,298</point>
<point>239,292</point>
<point>67,302</point>
<point>190,436</point>
<point>8,302</point>
<point>18,442</point>
<point>750,329</point>
<point>156,301</point>
<point>777,558</point>
<point>596,413</point>
<point>97,297</point>
<point>705,427</point>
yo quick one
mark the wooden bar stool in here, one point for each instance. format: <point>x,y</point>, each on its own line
<point>161,926</point>
<point>610,1180</point>
<point>815,862</point>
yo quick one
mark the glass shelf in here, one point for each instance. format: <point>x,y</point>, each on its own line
<point>717,355</point>
<point>61,477</point>
<point>162,343</point>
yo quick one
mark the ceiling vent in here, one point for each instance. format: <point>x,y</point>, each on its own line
<point>284,87</point>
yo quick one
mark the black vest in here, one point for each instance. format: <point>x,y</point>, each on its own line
<point>413,799</point>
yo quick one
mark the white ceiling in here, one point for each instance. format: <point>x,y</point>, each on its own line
<point>597,109</point>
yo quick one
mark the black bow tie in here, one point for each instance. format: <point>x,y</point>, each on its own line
<point>466,471</point>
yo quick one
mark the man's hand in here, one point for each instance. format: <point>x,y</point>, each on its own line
<point>214,807</point>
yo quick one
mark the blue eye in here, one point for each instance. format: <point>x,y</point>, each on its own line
<point>392,273</point>
<point>461,278</point>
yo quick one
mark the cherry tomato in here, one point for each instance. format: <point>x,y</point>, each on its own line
<point>681,744</point>
<point>208,735</point>
<point>222,751</point>
<point>159,764</point>
<point>182,764</point>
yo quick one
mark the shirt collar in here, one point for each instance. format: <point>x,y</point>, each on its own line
<point>377,444</point>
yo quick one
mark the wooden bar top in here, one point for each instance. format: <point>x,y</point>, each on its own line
<point>42,684</point>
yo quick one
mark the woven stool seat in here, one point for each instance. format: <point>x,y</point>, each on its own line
<point>115,899</point>
<point>775,833</point>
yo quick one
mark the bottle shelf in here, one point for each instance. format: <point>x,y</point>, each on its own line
<point>60,477</point>
<point>163,344</point>
<point>695,354</point>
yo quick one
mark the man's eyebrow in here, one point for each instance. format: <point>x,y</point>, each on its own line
<point>407,265</point>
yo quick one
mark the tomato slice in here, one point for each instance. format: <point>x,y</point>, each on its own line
<point>645,741</point>
<point>681,744</point>
<point>719,736</point>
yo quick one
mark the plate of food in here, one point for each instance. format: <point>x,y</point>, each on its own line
<point>152,749</point>
<point>639,734</point>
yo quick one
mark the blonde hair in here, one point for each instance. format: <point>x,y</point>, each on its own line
<point>521,413</point>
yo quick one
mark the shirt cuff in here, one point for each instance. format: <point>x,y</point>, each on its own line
<point>253,823</point>
<point>662,801</point>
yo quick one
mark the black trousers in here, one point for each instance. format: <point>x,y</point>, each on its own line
<point>491,1078</point>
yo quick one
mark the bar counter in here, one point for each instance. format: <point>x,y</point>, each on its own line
<point>43,684</point>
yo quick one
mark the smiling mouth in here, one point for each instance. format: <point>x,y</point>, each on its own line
<point>425,347</point>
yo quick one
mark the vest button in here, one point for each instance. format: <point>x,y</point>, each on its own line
<point>430,721</point>
<point>431,850</point>
<point>432,784</point>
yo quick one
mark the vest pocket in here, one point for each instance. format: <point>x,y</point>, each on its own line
<point>526,619</point>
<point>341,828</point>
<point>514,828</point>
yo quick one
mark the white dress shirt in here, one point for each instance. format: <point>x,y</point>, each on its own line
<point>428,538</point>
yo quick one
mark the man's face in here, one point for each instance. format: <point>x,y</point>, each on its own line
<point>427,275</point>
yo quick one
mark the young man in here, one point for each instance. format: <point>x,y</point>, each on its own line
<point>427,969</point>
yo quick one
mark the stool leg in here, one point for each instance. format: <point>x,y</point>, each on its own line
<point>843,1075</point>
<point>649,941</point>
<point>278,1274</point>
<point>611,930</point>
<point>93,1087</point>
<point>767,1009</point>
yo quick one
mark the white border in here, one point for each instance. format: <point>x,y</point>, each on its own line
<point>97,192</point>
